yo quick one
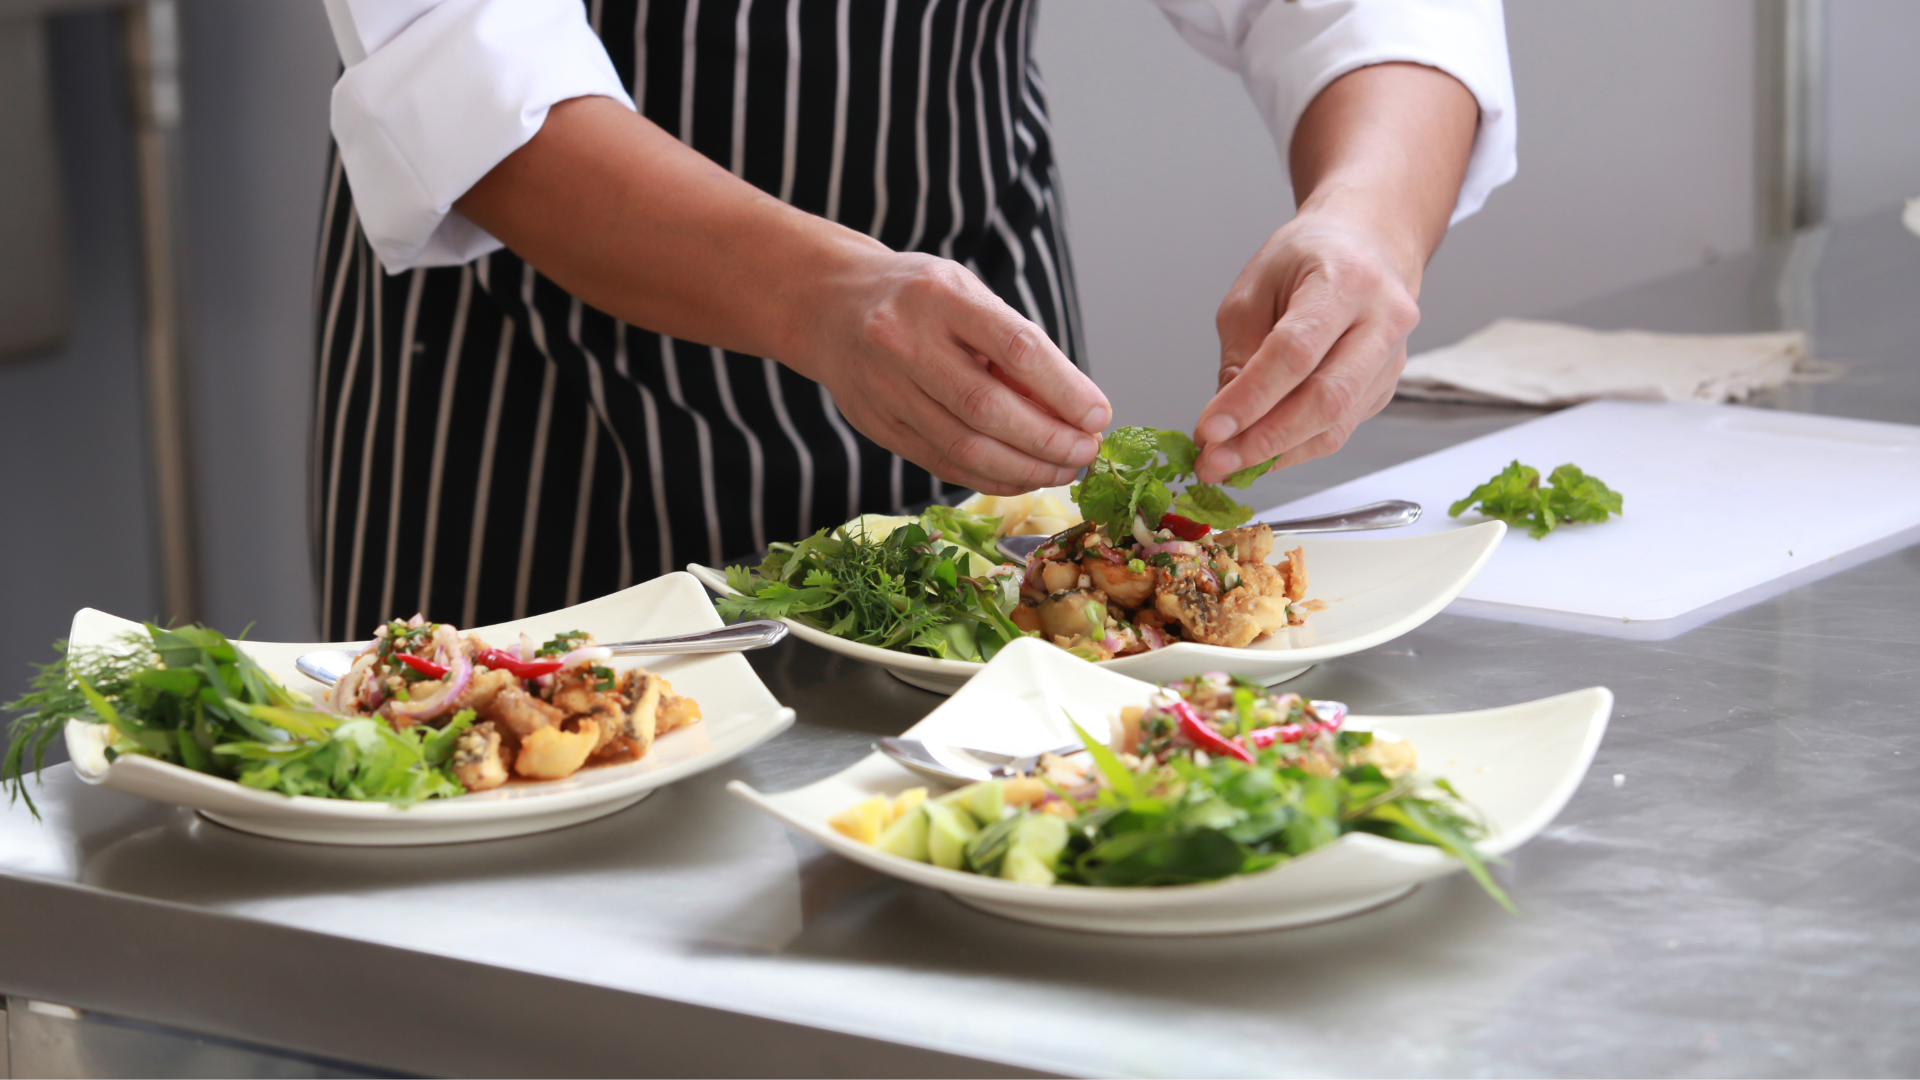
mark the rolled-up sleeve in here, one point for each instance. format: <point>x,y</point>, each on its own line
<point>435,94</point>
<point>1287,51</point>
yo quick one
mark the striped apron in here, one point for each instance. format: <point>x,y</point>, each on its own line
<point>486,447</point>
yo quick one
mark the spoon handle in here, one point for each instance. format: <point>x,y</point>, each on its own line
<point>740,637</point>
<point>1390,514</point>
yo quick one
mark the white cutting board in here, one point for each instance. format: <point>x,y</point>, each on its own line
<point>1719,500</point>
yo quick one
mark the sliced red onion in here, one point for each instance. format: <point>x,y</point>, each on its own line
<point>527,647</point>
<point>1112,642</point>
<point>346,690</point>
<point>1153,636</point>
<point>1170,547</point>
<point>429,707</point>
<point>587,655</point>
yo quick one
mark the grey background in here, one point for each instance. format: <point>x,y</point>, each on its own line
<point>1636,151</point>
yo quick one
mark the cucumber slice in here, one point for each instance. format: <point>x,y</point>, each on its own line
<point>1027,868</point>
<point>948,830</point>
<point>906,837</point>
<point>988,850</point>
<point>1041,835</point>
<point>986,800</point>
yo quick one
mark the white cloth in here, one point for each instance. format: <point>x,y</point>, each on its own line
<point>437,92</point>
<point>1522,362</point>
<point>1287,51</point>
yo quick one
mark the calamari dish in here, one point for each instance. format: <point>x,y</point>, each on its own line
<point>539,712</point>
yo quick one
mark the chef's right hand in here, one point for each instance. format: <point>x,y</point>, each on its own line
<point>926,361</point>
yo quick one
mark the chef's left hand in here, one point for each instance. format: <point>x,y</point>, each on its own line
<point>1313,335</point>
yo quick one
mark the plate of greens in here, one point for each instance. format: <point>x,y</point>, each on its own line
<point>139,712</point>
<point>926,599</point>
<point>1321,821</point>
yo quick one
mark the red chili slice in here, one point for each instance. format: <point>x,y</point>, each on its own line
<point>1184,528</point>
<point>422,665</point>
<point>501,660</point>
<point>1202,734</point>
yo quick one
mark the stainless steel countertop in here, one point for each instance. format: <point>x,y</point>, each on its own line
<point>1745,901</point>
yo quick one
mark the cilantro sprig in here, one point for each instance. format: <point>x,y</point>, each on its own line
<point>1133,477</point>
<point>1517,498</point>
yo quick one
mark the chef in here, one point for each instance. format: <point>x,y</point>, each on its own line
<point>608,287</point>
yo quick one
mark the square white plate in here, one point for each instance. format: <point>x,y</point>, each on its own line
<point>1373,591</point>
<point>1517,765</point>
<point>739,714</point>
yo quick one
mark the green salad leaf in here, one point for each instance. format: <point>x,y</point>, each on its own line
<point>1134,477</point>
<point>927,587</point>
<point>187,695</point>
<point>1517,497</point>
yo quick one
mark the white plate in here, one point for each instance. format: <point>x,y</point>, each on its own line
<point>1373,591</point>
<point>1517,765</point>
<point>740,713</point>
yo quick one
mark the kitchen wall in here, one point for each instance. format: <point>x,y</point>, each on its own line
<point>1636,160</point>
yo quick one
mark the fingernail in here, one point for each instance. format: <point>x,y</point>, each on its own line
<point>1084,450</point>
<point>1096,418</point>
<point>1223,460</point>
<point>1218,428</point>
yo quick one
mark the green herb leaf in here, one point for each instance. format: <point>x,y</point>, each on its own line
<point>1516,497</point>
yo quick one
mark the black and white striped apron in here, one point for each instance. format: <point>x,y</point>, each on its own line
<point>486,446</point>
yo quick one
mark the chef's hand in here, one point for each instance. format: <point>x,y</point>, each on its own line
<point>1313,334</point>
<point>919,355</point>
<point>925,360</point>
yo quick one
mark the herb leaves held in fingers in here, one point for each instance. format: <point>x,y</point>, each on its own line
<point>1133,477</point>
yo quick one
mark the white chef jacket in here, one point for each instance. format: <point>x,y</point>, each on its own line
<point>438,92</point>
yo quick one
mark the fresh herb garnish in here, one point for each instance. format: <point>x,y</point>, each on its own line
<point>1517,498</point>
<point>189,696</point>
<point>928,587</point>
<point>1130,479</point>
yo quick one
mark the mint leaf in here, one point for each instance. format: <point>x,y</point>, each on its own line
<point>1131,446</point>
<point>1179,450</point>
<point>1209,505</point>
<point>1516,497</point>
<point>1245,477</point>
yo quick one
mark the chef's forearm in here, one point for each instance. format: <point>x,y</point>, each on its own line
<point>1389,143</point>
<point>636,223</point>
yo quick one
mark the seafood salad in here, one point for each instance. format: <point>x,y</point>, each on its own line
<point>1213,776</point>
<point>539,712</point>
<point>1099,597</point>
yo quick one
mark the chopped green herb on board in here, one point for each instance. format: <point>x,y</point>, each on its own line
<point>1517,497</point>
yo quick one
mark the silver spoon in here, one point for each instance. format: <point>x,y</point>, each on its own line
<point>1390,514</point>
<point>965,765</point>
<point>961,764</point>
<point>327,665</point>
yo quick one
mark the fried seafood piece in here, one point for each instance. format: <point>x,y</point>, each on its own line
<point>554,753</point>
<point>1203,617</point>
<point>1250,543</point>
<point>482,689</point>
<point>573,692</point>
<point>519,712</point>
<point>655,709</point>
<point>1295,568</point>
<point>1262,595</point>
<point>477,760</point>
<point>1065,615</point>
<point>1059,576</point>
<point>1122,586</point>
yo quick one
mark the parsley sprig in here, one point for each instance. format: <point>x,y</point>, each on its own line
<point>921,588</point>
<point>1517,498</point>
<point>1133,477</point>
